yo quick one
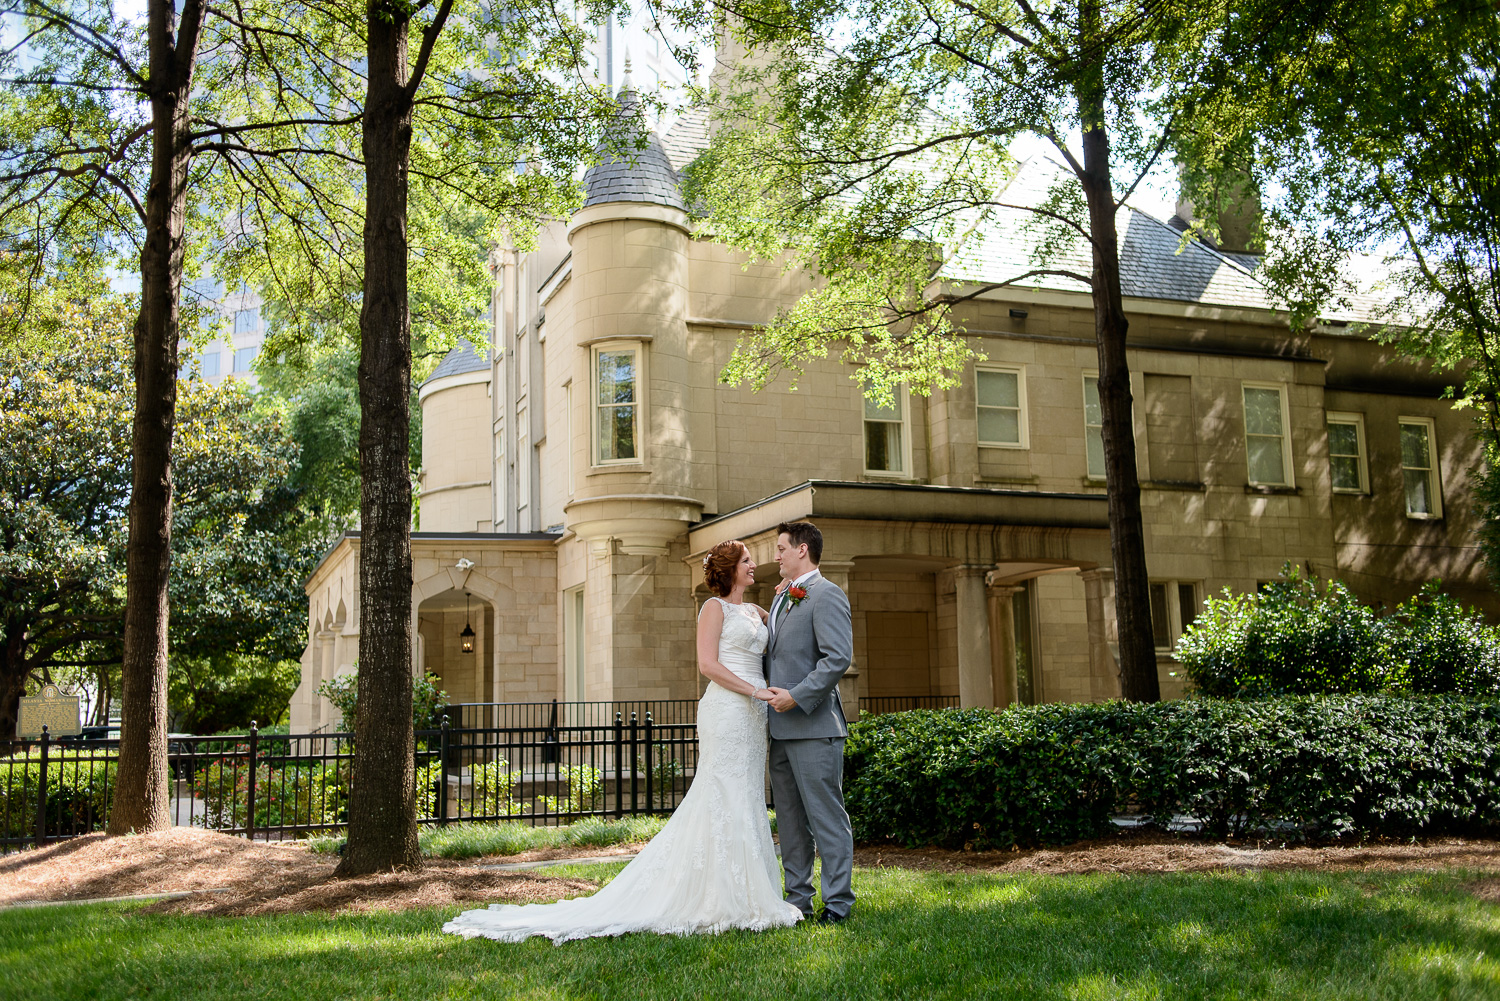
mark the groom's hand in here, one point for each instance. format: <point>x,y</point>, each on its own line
<point>781,700</point>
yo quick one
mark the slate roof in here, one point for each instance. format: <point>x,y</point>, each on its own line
<point>464,358</point>
<point>637,175</point>
<point>1153,262</point>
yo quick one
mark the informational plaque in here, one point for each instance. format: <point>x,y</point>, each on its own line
<point>52,709</point>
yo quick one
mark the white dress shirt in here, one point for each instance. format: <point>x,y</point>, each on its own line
<point>785,596</point>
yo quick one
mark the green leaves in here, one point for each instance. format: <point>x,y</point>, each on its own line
<point>1336,766</point>
<point>1300,636</point>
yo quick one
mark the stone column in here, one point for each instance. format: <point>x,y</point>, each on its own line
<point>837,572</point>
<point>326,668</point>
<point>1003,640</point>
<point>1104,640</point>
<point>976,686</point>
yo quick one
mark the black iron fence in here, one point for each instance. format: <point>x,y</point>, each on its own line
<point>902,703</point>
<point>540,763</point>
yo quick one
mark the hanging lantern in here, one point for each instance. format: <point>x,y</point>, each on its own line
<point>466,638</point>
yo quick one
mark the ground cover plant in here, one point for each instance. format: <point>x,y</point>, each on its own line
<point>477,840</point>
<point>1328,767</point>
<point>916,934</point>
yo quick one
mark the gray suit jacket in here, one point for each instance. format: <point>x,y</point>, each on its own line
<point>808,653</point>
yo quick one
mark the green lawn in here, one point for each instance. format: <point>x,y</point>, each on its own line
<point>1406,937</point>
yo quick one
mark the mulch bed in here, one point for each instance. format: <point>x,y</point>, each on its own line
<point>1139,852</point>
<point>261,878</point>
<point>254,877</point>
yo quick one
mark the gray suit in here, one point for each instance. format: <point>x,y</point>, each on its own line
<point>811,646</point>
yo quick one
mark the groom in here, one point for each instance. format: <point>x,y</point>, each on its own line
<point>809,649</point>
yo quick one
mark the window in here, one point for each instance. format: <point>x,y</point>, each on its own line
<point>502,486</point>
<point>885,434</point>
<point>1346,454</point>
<point>209,364</point>
<point>1174,607</point>
<point>523,470</point>
<point>1267,451</point>
<point>246,321</point>
<point>243,357</point>
<point>1093,427</point>
<point>616,376</point>
<point>568,440</point>
<point>1001,397</point>
<point>576,679</point>
<point>1419,468</point>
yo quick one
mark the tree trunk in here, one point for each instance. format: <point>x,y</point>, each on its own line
<point>1127,539</point>
<point>141,794</point>
<point>13,679</point>
<point>382,804</point>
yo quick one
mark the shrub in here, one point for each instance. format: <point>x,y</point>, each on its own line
<point>296,795</point>
<point>585,783</point>
<point>1334,766</point>
<point>1445,648</point>
<point>427,700</point>
<point>1294,638</point>
<point>78,793</point>
<point>492,784</point>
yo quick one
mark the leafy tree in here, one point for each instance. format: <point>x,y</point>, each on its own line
<point>459,121</point>
<point>872,166</point>
<point>239,552</point>
<point>1375,128</point>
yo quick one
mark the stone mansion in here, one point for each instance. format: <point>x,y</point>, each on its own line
<point>578,467</point>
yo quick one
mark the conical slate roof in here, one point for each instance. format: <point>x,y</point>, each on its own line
<point>464,358</point>
<point>633,175</point>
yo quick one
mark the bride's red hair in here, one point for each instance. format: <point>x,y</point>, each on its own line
<point>720,564</point>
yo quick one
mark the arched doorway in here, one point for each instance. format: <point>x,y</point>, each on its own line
<point>441,620</point>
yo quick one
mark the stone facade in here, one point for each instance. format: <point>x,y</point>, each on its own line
<point>976,569</point>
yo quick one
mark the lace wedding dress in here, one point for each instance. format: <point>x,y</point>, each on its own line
<point>713,866</point>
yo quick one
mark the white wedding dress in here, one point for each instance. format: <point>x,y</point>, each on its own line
<point>713,866</point>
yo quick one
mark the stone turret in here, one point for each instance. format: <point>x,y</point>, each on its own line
<point>634,483</point>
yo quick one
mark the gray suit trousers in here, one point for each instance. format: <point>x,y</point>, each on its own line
<point>807,789</point>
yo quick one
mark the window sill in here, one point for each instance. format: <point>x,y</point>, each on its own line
<point>1350,493</point>
<point>1272,489</point>
<point>1017,447</point>
<point>1423,517</point>
<point>620,467</point>
<point>889,477</point>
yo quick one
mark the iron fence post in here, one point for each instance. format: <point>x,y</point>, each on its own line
<point>41,789</point>
<point>250,788</point>
<point>650,770</point>
<point>443,775</point>
<point>619,765</point>
<point>635,751</point>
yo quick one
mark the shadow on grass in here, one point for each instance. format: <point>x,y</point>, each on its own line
<point>915,935</point>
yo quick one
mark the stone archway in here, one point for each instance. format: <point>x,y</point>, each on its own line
<point>438,642</point>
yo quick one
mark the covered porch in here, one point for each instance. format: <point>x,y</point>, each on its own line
<point>993,597</point>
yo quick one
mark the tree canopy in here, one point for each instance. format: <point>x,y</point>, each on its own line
<point>240,549</point>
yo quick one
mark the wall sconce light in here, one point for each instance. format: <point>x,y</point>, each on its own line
<point>1017,314</point>
<point>466,638</point>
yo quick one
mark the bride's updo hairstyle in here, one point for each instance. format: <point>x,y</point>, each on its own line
<point>720,564</point>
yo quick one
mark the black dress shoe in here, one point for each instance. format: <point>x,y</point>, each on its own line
<point>827,917</point>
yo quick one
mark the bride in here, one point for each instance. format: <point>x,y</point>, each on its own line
<point>712,867</point>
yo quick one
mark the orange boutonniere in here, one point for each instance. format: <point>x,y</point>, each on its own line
<point>797,594</point>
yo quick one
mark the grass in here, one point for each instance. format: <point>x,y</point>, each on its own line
<point>513,837</point>
<point>915,935</point>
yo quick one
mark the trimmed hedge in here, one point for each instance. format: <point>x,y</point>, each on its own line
<point>1328,767</point>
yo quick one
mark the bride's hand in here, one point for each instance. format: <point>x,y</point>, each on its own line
<point>764,694</point>
<point>783,585</point>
